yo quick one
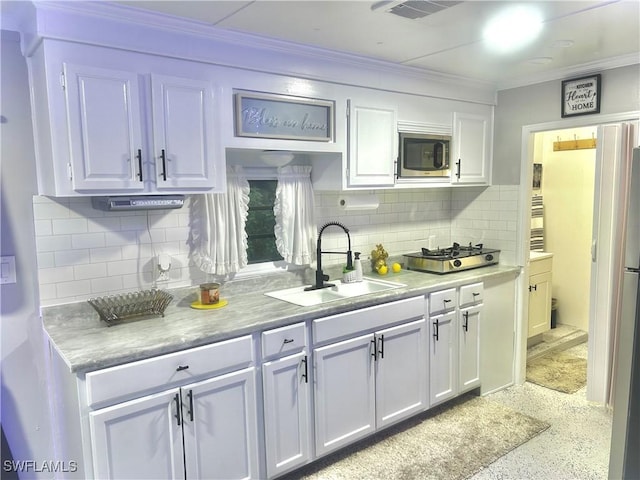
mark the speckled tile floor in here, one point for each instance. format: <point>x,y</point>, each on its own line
<point>575,447</point>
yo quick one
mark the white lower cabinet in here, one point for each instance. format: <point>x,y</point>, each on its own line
<point>287,414</point>
<point>454,348</point>
<point>373,380</point>
<point>202,430</point>
<point>138,439</point>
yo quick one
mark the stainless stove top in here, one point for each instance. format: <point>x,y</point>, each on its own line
<point>452,259</point>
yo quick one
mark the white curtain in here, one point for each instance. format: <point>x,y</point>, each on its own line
<point>295,228</point>
<point>218,233</point>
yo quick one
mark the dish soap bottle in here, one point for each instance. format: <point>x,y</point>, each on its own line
<point>358,266</point>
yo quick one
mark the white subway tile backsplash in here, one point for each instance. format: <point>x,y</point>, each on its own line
<point>73,288</point>
<point>69,226</point>
<point>122,267</point>
<point>55,274</point>
<point>71,257</point>
<point>106,284</point>
<point>51,243</point>
<point>84,272</point>
<point>88,240</point>
<point>43,227</point>
<point>104,254</point>
<point>84,252</point>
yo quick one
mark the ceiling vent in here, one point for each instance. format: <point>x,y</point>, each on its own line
<point>413,9</point>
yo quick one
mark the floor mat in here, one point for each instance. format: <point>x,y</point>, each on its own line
<point>559,371</point>
<point>453,441</point>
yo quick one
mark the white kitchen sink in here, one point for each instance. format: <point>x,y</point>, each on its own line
<point>340,291</point>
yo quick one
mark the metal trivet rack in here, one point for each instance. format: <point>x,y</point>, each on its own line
<point>114,308</point>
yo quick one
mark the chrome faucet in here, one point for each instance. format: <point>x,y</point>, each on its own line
<point>320,276</point>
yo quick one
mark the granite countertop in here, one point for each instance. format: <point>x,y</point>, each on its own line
<point>86,343</point>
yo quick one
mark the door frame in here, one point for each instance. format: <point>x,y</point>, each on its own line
<point>524,230</point>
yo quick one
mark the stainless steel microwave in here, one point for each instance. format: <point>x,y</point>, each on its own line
<point>424,155</point>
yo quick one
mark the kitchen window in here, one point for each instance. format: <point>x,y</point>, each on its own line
<point>261,240</point>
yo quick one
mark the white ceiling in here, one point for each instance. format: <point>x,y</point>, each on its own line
<point>602,34</point>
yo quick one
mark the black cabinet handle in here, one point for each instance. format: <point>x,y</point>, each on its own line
<point>374,352</point>
<point>475,294</point>
<point>533,287</point>
<point>178,415</point>
<point>163,156</point>
<point>458,168</point>
<point>436,334</point>
<point>182,367</point>
<point>381,342</point>
<point>465,322</point>
<point>139,157</point>
<point>305,375</point>
<point>288,340</point>
<point>190,397</point>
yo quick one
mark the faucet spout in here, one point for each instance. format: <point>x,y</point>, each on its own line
<point>320,276</point>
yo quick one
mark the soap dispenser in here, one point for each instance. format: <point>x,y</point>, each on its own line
<point>358,266</point>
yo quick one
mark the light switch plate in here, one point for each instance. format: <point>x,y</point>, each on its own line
<point>7,269</point>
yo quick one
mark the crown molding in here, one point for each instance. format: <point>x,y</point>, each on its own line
<point>574,71</point>
<point>309,62</point>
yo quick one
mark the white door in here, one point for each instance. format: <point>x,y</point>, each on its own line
<point>141,438</point>
<point>344,392</point>
<point>184,133</point>
<point>471,148</point>
<point>105,129</point>
<point>373,145</point>
<point>401,376</point>
<point>614,144</point>
<point>287,413</point>
<point>443,360</point>
<point>469,348</point>
<point>220,427</point>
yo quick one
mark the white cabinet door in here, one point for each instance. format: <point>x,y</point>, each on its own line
<point>105,129</point>
<point>287,413</point>
<point>220,427</point>
<point>139,439</point>
<point>373,145</point>
<point>344,393</point>
<point>470,162</point>
<point>443,361</point>
<point>184,129</point>
<point>539,303</point>
<point>469,348</point>
<point>401,376</point>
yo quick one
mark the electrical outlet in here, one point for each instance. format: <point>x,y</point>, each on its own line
<point>7,269</point>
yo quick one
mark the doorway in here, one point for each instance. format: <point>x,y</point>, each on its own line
<point>562,199</point>
<point>603,275</point>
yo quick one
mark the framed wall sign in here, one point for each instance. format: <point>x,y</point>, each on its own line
<point>266,115</point>
<point>581,96</point>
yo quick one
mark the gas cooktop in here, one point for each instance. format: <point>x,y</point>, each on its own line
<point>452,259</point>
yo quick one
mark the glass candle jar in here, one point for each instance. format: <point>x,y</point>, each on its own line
<point>209,293</point>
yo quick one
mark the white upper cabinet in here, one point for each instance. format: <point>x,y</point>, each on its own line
<point>471,157</point>
<point>105,129</point>
<point>183,133</point>
<point>372,144</point>
<point>111,122</point>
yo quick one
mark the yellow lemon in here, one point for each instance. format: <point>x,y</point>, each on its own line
<point>396,267</point>
<point>383,270</point>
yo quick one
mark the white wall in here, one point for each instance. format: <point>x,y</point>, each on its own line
<point>24,407</point>
<point>540,103</point>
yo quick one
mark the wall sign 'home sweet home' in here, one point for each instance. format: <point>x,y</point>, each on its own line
<point>581,96</point>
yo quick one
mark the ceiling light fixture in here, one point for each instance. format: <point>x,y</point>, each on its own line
<point>512,29</point>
